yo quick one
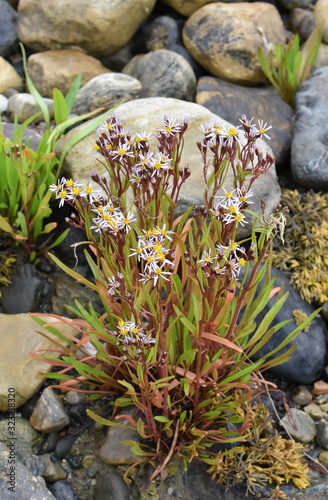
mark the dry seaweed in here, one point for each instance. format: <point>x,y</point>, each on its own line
<point>306,241</point>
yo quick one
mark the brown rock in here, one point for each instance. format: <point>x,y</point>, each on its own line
<point>320,387</point>
<point>228,99</point>
<point>9,79</point>
<point>224,38</point>
<point>17,367</point>
<point>100,28</point>
<point>59,68</point>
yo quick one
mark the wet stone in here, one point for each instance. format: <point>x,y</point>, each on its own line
<point>111,486</point>
<point>53,471</point>
<point>62,490</point>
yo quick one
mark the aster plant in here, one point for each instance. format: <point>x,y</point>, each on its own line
<point>179,324</point>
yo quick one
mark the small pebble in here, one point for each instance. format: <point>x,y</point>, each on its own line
<point>302,396</point>
<point>314,411</point>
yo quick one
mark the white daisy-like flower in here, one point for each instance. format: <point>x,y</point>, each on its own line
<point>263,128</point>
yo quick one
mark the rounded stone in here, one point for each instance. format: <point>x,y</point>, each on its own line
<point>322,434</point>
<point>59,69</point>
<point>305,427</point>
<point>309,150</point>
<point>224,38</point>
<point>107,91</point>
<point>163,73</point>
<point>100,28</point>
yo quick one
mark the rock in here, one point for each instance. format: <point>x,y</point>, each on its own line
<point>49,414</point>
<point>302,22</point>
<point>31,136</point>
<point>59,68</point>
<point>26,485</point>
<point>164,32</point>
<point>26,284</point>
<point>322,57</point>
<point>74,398</point>
<point>314,411</point>
<point>62,490</point>
<point>324,311</point>
<point>99,28</point>
<point>27,440</point>
<point>67,291</point>
<point>9,78</point>
<point>53,471</point>
<point>163,73</point>
<point>161,33</point>
<point>111,451</point>
<point>147,114</point>
<point>223,38</point>
<point>309,152</point>
<point>3,103</point>
<point>301,368</point>
<point>302,396</point>
<point>305,427</point>
<point>320,387</point>
<point>321,15</point>
<point>323,457</point>
<point>293,4</point>
<point>106,91</point>
<point>186,7</point>
<point>8,29</point>
<point>18,369</point>
<point>111,486</point>
<point>226,99</point>
<point>23,106</point>
<point>322,434</point>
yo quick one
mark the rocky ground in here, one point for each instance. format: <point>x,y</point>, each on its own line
<point>178,58</point>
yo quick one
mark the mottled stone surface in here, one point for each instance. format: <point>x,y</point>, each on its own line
<point>309,152</point>
<point>9,78</point>
<point>229,101</point>
<point>18,369</point>
<point>224,38</point>
<point>100,28</point>
<point>59,69</point>
<point>147,115</point>
<point>163,73</point>
<point>106,91</point>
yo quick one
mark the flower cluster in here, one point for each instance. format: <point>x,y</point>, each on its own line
<point>129,333</point>
<point>111,219</point>
<point>153,254</point>
<point>227,261</point>
<point>230,207</point>
<point>68,190</point>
